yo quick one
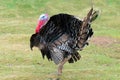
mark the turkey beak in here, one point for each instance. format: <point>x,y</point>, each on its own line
<point>31,46</point>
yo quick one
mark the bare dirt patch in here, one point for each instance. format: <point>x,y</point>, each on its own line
<point>112,45</point>
<point>103,41</point>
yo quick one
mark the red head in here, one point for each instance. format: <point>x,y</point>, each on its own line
<point>41,22</point>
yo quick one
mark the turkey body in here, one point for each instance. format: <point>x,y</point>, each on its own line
<point>60,38</point>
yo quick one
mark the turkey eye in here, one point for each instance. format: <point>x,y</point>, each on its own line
<point>43,16</point>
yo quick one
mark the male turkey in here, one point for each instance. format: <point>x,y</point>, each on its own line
<point>60,37</point>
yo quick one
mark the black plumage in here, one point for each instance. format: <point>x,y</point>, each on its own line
<point>62,36</point>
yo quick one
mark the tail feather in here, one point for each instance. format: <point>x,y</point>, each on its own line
<point>83,38</point>
<point>75,57</point>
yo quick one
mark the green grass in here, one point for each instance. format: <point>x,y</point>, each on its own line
<point>18,19</point>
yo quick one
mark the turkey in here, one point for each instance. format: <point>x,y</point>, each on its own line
<point>60,37</point>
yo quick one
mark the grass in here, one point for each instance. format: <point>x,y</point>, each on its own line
<point>18,19</point>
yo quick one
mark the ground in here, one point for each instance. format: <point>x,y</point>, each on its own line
<point>99,61</point>
<point>104,41</point>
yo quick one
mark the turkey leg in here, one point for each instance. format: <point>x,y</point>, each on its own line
<point>60,65</point>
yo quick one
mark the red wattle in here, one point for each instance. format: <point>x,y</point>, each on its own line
<point>39,26</point>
